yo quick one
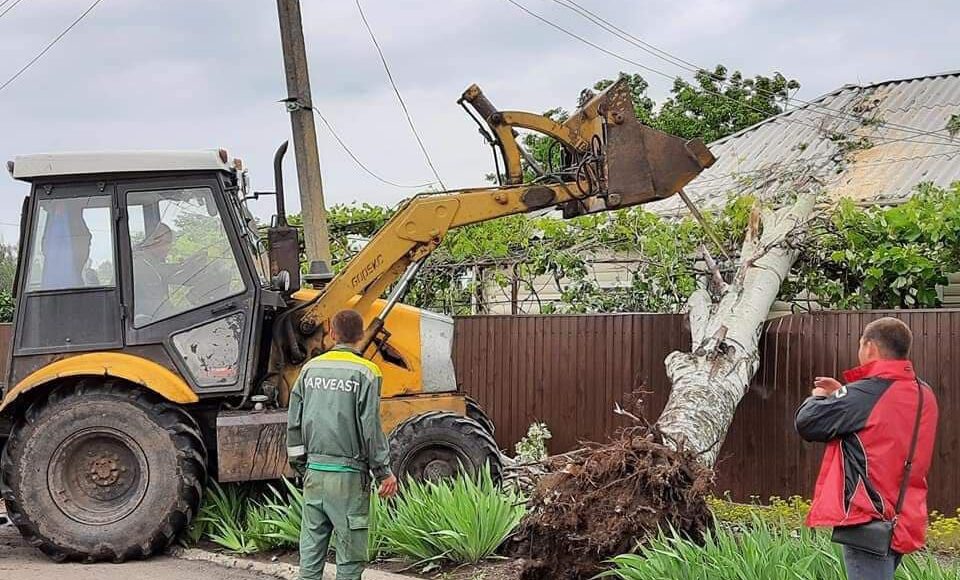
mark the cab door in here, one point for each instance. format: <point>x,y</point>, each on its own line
<point>187,287</point>
<point>69,300</point>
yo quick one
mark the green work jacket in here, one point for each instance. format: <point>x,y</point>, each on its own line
<point>334,414</point>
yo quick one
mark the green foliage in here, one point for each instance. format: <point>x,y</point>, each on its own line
<point>698,109</point>
<point>223,518</point>
<point>943,533</point>
<point>857,257</point>
<point>283,514</point>
<point>533,446</point>
<point>762,552</point>
<point>884,257</point>
<point>7,305</point>
<point>790,513</point>
<point>8,271</point>
<point>463,520</point>
<point>716,104</point>
<point>953,125</point>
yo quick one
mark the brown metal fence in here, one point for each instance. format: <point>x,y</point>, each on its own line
<point>569,371</point>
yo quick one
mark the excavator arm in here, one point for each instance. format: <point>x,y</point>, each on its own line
<point>611,161</point>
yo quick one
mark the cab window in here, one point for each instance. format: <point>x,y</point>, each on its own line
<point>182,257</point>
<point>72,245</point>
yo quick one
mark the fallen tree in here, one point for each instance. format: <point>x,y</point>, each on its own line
<point>601,500</point>
<point>726,319</point>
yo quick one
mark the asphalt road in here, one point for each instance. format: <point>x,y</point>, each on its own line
<point>21,562</point>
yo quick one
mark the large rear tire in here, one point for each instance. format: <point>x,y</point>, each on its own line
<point>439,444</point>
<point>102,471</point>
<point>476,412</point>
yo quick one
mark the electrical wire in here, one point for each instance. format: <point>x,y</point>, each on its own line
<point>49,45</point>
<point>694,68</point>
<point>396,90</point>
<point>361,164</point>
<point>672,77</point>
<point>11,7</point>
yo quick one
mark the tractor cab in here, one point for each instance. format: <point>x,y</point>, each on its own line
<point>153,253</point>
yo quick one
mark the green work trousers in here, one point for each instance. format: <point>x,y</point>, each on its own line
<point>334,503</point>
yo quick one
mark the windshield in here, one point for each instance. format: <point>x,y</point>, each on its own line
<point>250,232</point>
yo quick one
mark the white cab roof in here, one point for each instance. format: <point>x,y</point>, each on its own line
<point>28,167</point>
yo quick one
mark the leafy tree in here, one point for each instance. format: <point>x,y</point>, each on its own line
<point>719,103</point>
<point>716,104</point>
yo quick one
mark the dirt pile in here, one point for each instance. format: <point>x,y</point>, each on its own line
<point>600,501</point>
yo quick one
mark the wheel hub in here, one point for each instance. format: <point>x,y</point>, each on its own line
<point>438,469</point>
<point>433,462</point>
<point>98,476</point>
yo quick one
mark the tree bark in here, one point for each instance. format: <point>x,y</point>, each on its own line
<point>709,382</point>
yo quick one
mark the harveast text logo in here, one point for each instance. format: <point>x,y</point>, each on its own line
<point>360,277</point>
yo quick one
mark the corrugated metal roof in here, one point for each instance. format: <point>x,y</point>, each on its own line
<point>870,143</point>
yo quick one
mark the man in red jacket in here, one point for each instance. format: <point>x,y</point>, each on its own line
<point>868,425</point>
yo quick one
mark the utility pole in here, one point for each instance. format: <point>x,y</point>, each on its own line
<point>300,106</point>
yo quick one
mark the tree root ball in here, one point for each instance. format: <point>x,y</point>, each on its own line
<point>605,500</point>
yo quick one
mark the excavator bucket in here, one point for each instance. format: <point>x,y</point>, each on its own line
<point>614,159</point>
<point>638,164</point>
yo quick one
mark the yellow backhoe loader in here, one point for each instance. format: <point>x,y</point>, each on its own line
<point>157,334</point>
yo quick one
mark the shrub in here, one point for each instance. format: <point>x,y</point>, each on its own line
<point>943,534</point>
<point>463,520</point>
<point>533,446</point>
<point>790,512</point>
<point>761,552</point>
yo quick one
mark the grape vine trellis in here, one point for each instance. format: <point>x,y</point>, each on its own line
<point>857,257</point>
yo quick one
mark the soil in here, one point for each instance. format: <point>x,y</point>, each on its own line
<point>604,499</point>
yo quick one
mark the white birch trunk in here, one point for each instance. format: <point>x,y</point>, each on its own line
<point>709,382</point>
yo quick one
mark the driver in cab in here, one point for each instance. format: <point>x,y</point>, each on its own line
<point>153,274</point>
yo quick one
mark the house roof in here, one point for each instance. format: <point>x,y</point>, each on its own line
<point>29,167</point>
<point>872,143</point>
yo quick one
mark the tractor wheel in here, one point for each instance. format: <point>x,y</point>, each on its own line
<point>102,471</point>
<point>439,444</point>
<point>476,412</point>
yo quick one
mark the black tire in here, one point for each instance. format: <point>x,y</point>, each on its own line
<point>476,412</point>
<point>102,471</point>
<point>439,444</point>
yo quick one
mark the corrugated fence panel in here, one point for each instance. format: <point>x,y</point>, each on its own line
<point>570,371</point>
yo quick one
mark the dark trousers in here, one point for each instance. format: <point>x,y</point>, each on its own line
<point>862,565</point>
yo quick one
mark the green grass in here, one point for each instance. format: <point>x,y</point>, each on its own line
<point>761,552</point>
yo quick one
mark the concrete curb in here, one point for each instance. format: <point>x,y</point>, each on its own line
<point>282,571</point>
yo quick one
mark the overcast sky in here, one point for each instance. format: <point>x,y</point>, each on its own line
<point>178,74</point>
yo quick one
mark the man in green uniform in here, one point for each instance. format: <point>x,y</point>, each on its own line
<point>335,440</point>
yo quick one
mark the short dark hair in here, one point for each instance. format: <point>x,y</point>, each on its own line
<point>891,335</point>
<point>348,324</point>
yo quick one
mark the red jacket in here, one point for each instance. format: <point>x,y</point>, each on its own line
<point>867,426</point>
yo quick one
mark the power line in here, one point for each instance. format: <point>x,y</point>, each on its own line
<point>672,77</point>
<point>12,6</point>
<point>403,105</point>
<point>50,45</point>
<point>692,67</point>
<point>359,163</point>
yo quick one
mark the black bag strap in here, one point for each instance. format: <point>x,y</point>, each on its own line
<point>908,465</point>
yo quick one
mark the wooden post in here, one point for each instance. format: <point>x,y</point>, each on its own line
<point>300,106</point>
